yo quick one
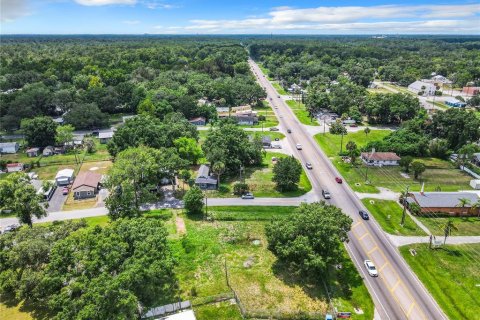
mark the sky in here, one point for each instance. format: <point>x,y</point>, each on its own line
<point>239,17</point>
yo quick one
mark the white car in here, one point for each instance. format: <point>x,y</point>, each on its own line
<point>372,271</point>
<point>299,146</point>
<point>248,195</point>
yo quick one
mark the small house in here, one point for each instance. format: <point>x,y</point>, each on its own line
<point>246,119</point>
<point>86,185</point>
<point>422,88</point>
<point>204,180</point>
<point>105,136</point>
<point>452,102</point>
<point>380,158</point>
<point>33,152</point>
<point>48,151</point>
<point>444,202</point>
<point>9,147</point>
<point>64,177</point>
<point>199,121</point>
<point>15,167</point>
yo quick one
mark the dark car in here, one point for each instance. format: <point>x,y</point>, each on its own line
<point>308,165</point>
<point>289,130</point>
<point>338,179</point>
<point>363,214</point>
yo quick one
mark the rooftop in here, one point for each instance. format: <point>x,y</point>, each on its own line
<point>105,135</point>
<point>381,156</point>
<point>442,199</point>
<point>87,178</point>
<point>64,173</point>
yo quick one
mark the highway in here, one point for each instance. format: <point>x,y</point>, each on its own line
<point>397,293</point>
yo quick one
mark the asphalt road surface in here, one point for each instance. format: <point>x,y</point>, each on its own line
<point>397,292</point>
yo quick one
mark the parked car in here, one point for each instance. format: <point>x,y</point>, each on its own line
<point>308,165</point>
<point>273,129</point>
<point>65,191</point>
<point>299,146</point>
<point>372,271</point>
<point>326,194</point>
<point>289,130</point>
<point>278,96</point>
<point>338,179</point>
<point>277,139</point>
<point>11,228</point>
<point>248,195</point>
<point>363,214</point>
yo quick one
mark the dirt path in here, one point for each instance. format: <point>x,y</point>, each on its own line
<point>181,230</point>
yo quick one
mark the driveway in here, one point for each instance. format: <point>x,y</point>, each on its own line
<point>56,202</point>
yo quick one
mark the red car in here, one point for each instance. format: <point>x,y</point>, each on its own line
<point>338,179</point>
<point>65,191</point>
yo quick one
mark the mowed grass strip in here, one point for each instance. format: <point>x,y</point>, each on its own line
<point>301,113</point>
<point>389,215</point>
<point>249,213</point>
<point>450,275</point>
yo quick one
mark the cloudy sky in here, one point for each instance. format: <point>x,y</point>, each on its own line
<point>239,17</point>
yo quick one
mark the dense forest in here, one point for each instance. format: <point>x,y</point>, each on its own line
<point>97,76</point>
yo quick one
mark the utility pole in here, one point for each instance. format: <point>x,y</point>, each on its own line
<point>404,200</point>
<point>206,207</point>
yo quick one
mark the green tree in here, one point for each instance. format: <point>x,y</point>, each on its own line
<point>438,148</point>
<point>418,168</point>
<point>448,228</point>
<point>193,200</point>
<point>64,134</point>
<point>366,131</point>
<point>86,116</point>
<point>188,149</point>
<point>218,168</point>
<point>39,132</point>
<point>185,175</point>
<point>463,203</point>
<point>19,196</point>
<point>310,240</point>
<point>286,173</point>
<point>353,151</point>
<point>405,162</point>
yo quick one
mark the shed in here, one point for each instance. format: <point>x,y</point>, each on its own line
<point>105,136</point>
<point>9,147</point>
<point>15,167</point>
<point>86,185</point>
<point>64,177</point>
<point>33,152</point>
<point>48,151</point>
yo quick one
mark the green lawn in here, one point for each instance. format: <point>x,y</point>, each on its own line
<point>219,311</point>
<point>439,174</point>
<point>270,117</point>
<point>389,215</point>
<point>301,113</point>
<point>451,276</point>
<point>467,226</point>
<point>258,213</point>
<point>441,105</point>
<point>260,181</point>
<point>279,88</point>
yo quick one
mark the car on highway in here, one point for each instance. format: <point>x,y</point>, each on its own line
<point>326,194</point>
<point>363,214</point>
<point>278,96</point>
<point>65,191</point>
<point>289,130</point>
<point>308,165</point>
<point>338,179</point>
<point>372,271</point>
<point>273,129</point>
<point>248,195</point>
<point>298,146</point>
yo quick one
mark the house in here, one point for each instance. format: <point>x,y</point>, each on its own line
<point>266,142</point>
<point>205,181</point>
<point>440,79</point>
<point>33,152</point>
<point>380,158</point>
<point>422,88</point>
<point>199,121</point>
<point>444,202</point>
<point>452,102</point>
<point>15,167</point>
<point>246,119</point>
<point>86,185</point>
<point>294,88</point>
<point>471,91</point>
<point>64,177</point>
<point>48,151</point>
<point>9,147</point>
<point>105,136</point>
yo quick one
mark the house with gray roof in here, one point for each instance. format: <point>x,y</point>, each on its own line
<point>448,203</point>
<point>422,88</point>
<point>204,180</point>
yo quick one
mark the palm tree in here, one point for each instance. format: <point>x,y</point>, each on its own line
<point>463,202</point>
<point>476,207</point>
<point>448,228</point>
<point>218,168</point>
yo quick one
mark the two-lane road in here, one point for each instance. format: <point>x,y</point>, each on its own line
<point>397,293</point>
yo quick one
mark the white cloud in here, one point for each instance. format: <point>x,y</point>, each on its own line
<point>353,19</point>
<point>13,9</point>
<point>152,4</point>
<point>104,2</point>
<point>131,22</point>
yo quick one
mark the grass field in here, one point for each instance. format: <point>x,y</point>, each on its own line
<point>467,226</point>
<point>258,213</point>
<point>389,215</point>
<point>260,181</point>
<point>439,174</point>
<point>301,113</point>
<point>279,88</point>
<point>451,276</point>
<point>226,310</point>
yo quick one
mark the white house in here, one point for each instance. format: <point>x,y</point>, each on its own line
<point>14,167</point>
<point>9,147</point>
<point>423,88</point>
<point>380,158</point>
<point>64,177</point>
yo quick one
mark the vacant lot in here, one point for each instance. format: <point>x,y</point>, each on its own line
<point>452,276</point>
<point>439,174</point>
<point>260,181</point>
<point>389,215</point>
<point>299,110</point>
<point>468,226</point>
